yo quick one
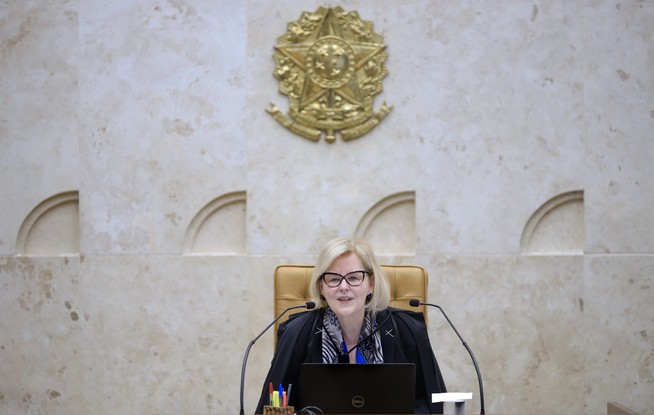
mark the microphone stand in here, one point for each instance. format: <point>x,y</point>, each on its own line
<point>416,303</point>
<point>308,305</point>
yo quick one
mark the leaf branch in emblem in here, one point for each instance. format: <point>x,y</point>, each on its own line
<point>302,28</point>
<point>289,76</point>
<point>374,70</point>
<point>354,24</point>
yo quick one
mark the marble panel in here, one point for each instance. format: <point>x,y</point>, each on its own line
<point>499,109</point>
<point>39,101</point>
<point>117,334</point>
<point>44,337</point>
<point>619,319</point>
<point>619,119</point>
<point>521,318</point>
<point>337,182</point>
<point>163,87</point>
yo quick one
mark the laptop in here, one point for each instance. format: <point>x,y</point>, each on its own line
<point>387,388</point>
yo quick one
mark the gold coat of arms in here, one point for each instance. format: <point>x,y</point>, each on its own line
<point>330,65</point>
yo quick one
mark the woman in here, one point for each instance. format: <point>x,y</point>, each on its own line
<point>353,296</point>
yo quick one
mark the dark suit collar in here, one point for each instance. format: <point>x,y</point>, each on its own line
<point>388,334</point>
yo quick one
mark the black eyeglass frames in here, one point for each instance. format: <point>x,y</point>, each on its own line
<point>354,278</point>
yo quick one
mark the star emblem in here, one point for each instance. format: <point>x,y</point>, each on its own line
<point>330,64</point>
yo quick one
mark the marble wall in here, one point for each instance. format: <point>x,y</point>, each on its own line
<point>148,197</point>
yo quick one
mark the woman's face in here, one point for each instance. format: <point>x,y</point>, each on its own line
<point>345,300</point>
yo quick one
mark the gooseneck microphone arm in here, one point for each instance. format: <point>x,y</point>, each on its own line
<point>416,303</point>
<point>308,305</point>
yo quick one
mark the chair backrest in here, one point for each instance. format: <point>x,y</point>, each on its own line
<point>292,287</point>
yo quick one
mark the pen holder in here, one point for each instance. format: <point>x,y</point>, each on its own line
<point>278,410</point>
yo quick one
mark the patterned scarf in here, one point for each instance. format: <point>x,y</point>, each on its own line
<point>369,346</point>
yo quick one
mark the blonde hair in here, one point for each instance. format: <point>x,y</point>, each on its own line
<point>381,293</point>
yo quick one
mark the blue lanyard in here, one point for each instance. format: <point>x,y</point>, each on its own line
<point>360,359</point>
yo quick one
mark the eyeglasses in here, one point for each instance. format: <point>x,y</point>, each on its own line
<point>354,278</point>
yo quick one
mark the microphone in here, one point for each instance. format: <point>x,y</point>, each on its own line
<point>308,305</point>
<point>416,303</point>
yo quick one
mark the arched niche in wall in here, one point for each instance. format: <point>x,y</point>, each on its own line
<point>390,225</point>
<point>557,227</point>
<point>219,227</point>
<point>51,228</point>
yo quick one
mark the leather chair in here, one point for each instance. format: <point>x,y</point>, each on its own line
<point>292,284</point>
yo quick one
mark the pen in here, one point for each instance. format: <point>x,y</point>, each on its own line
<point>270,392</point>
<point>281,394</point>
<point>288,394</point>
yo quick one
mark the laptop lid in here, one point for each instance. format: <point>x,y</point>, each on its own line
<point>387,388</point>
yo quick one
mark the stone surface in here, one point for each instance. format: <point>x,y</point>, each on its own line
<point>188,194</point>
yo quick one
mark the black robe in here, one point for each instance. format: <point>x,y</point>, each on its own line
<point>404,339</point>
